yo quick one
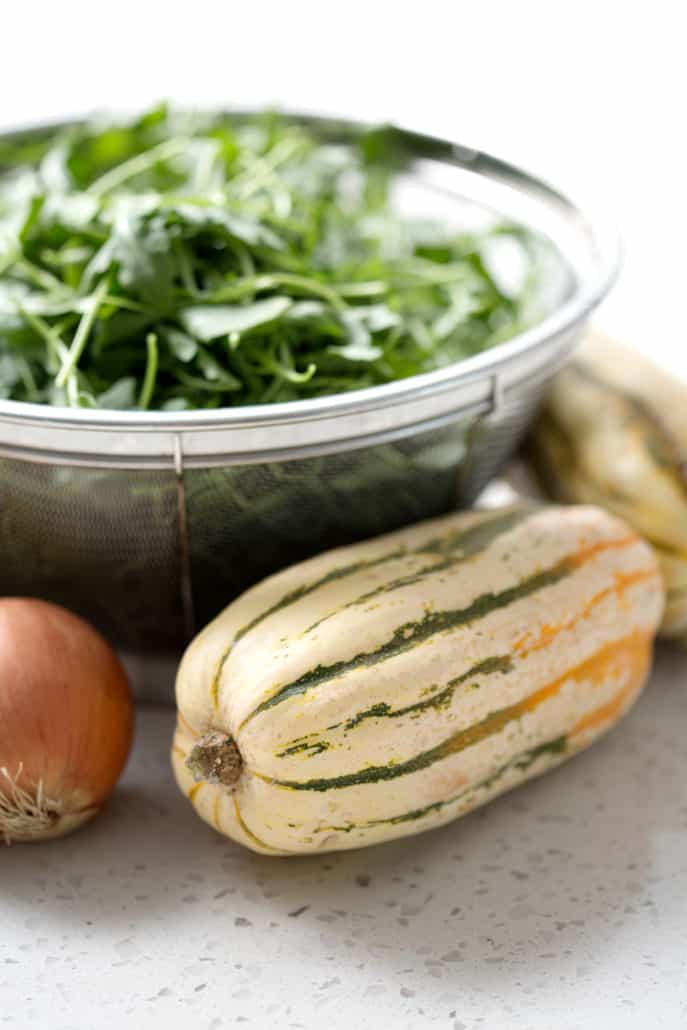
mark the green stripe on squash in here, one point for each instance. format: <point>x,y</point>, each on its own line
<point>438,700</point>
<point>411,634</point>
<point>454,547</point>
<point>491,724</point>
<point>465,545</point>
<point>521,761</point>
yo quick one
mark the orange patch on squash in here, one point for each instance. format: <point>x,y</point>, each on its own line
<point>548,632</point>
<point>627,657</point>
<point>609,712</point>
<point>591,550</point>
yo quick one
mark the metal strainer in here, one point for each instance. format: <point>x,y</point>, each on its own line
<point>149,523</point>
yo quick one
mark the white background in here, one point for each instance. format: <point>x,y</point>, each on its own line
<point>592,95</point>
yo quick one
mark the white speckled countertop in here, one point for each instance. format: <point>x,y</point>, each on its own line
<point>562,906</point>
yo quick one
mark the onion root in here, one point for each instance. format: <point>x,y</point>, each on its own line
<point>31,815</point>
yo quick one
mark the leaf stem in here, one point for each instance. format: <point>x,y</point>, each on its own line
<point>40,276</point>
<point>57,350</point>
<point>138,164</point>
<point>78,344</point>
<point>55,343</point>
<point>259,283</point>
<point>151,372</point>
<point>185,269</point>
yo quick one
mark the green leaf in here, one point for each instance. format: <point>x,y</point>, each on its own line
<point>32,216</point>
<point>215,373</point>
<point>176,404</point>
<point>54,169</point>
<point>306,309</point>
<point>360,324</point>
<point>122,394</point>
<point>127,247</point>
<point>357,350</point>
<point>209,321</point>
<point>10,373</point>
<point>242,227</point>
<point>182,346</point>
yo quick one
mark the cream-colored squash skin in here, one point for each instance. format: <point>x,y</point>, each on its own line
<point>613,432</point>
<point>399,683</point>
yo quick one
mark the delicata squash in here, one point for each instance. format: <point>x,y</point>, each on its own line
<point>613,432</point>
<point>386,688</point>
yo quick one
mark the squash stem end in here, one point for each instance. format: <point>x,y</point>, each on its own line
<point>216,759</point>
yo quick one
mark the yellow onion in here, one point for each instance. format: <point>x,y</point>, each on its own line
<point>66,720</point>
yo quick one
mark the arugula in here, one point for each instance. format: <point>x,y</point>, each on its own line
<point>183,261</point>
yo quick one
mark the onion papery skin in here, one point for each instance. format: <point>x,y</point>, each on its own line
<point>66,720</point>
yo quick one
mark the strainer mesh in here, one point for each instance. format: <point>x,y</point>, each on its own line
<point>110,544</point>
